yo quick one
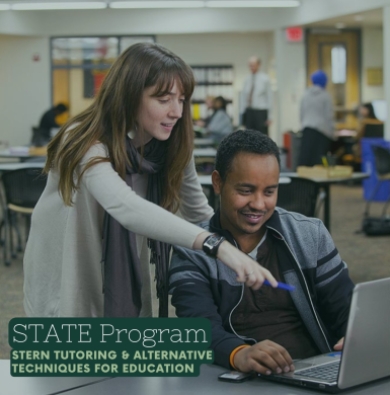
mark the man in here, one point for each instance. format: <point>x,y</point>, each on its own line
<point>263,330</point>
<point>256,100</point>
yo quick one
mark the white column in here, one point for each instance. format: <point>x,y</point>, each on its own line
<point>290,69</point>
<point>386,65</point>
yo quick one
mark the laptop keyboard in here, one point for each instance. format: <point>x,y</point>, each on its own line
<point>326,372</point>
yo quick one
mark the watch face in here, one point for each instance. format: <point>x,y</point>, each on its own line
<point>213,240</point>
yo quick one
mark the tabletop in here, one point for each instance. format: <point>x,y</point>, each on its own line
<point>39,385</point>
<point>208,383</point>
<point>203,142</point>
<point>205,151</point>
<point>334,180</point>
<point>18,165</point>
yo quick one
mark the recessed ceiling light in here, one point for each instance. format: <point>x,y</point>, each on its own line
<point>157,4</point>
<point>70,5</point>
<point>253,3</point>
<point>5,7</point>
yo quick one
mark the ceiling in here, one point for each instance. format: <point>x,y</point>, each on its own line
<point>372,18</point>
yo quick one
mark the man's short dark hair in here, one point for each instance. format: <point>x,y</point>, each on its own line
<point>247,140</point>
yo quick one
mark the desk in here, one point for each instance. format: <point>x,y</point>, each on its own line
<point>40,385</point>
<point>21,155</point>
<point>207,383</point>
<point>325,184</point>
<point>205,152</point>
<point>203,142</point>
<point>16,166</point>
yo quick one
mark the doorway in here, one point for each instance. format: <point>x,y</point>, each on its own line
<point>337,53</point>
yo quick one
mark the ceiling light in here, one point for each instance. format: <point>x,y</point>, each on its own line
<point>340,25</point>
<point>5,7</point>
<point>253,3</point>
<point>70,5</point>
<point>157,4</point>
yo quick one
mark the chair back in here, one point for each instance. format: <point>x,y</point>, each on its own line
<point>39,137</point>
<point>373,130</point>
<point>299,195</point>
<point>382,160</point>
<point>23,187</point>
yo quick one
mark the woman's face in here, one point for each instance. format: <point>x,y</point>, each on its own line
<point>363,111</point>
<point>158,115</point>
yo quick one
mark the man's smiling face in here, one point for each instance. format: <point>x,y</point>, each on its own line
<point>248,195</point>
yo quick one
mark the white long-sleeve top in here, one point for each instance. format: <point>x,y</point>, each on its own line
<point>262,93</point>
<point>62,261</point>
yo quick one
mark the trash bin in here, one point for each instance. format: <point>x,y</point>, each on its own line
<point>368,166</point>
<point>292,143</point>
<point>283,158</point>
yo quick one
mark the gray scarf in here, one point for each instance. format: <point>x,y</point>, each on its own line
<point>122,266</point>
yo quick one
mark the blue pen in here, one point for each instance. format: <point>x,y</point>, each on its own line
<point>287,287</point>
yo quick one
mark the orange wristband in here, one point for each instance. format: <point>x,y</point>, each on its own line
<point>234,352</point>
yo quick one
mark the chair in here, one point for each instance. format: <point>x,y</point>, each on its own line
<point>299,195</point>
<point>22,189</point>
<point>382,169</point>
<point>39,137</point>
<point>373,130</point>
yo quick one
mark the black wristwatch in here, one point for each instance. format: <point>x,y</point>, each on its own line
<point>212,243</point>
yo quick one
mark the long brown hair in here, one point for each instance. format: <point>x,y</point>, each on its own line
<point>114,113</point>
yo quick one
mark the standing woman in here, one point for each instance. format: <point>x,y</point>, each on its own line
<point>317,121</point>
<point>116,174</point>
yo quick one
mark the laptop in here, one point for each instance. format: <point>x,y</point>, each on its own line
<point>366,352</point>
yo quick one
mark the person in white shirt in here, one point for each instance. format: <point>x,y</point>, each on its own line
<point>117,173</point>
<point>256,101</point>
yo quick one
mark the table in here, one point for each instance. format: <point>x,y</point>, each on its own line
<point>16,166</point>
<point>212,152</point>
<point>22,154</point>
<point>325,184</point>
<point>203,142</point>
<point>40,385</point>
<point>207,383</point>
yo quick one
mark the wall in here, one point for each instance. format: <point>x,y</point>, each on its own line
<point>290,68</point>
<point>24,86</point>
<point>223,48</point>
<point>372,57</point>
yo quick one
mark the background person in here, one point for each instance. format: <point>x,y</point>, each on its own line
<point>316,115</point>
<point>263,330</point>
<point>256,98</point>
<point>48,120</point>
<point>209,102</point>
<point>220,124</point>
<point>116,173</point>
<point>367,117</point>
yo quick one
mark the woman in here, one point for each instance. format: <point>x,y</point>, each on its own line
<point>317,121</point>
<point>368,118</point>
<point>116,173</point>
<point>220,124</point>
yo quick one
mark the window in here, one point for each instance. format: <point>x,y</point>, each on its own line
<point>79,65</point>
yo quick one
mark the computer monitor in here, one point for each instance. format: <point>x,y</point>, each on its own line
<point>380,109</point>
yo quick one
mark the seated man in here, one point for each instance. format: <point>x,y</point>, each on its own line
<point>265,329</point>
